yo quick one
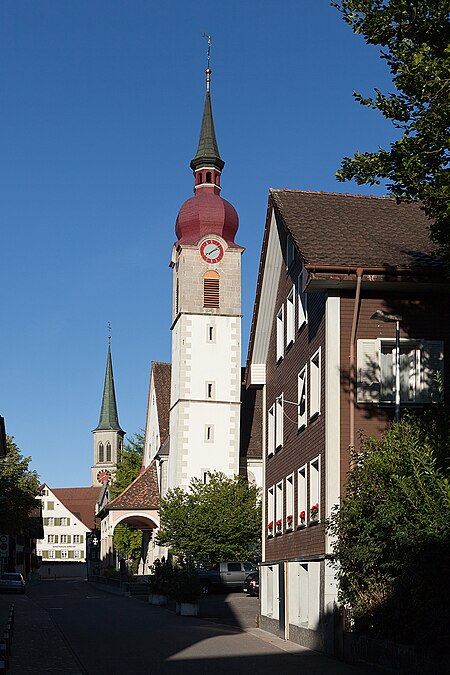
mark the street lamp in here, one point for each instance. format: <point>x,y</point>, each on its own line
<point>379,315</point>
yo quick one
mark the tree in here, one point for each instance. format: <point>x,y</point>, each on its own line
<point>216,521</point>
<point>392,532</point>
<point>128,465</point>
<point>413,35</point>
<point>18,489</point>
<point>127,542</point>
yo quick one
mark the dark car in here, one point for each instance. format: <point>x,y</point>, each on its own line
<point>13,582</point>
<point>251,584</point>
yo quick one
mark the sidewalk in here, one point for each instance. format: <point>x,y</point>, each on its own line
<point>38,647</point>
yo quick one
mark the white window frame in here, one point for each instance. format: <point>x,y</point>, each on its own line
<point>302,398</point>
<point>51,553</point>
<point>271,511</point>
<point>50,521</point>
<point>77,554</point>
<point>271,430</point>
<point>290,520</point>
<point>315,376</point>
<point>76,539</point>
<point>290,318</point>
<point>279,494</point>
<point>279,422</point>
<point>428,358</point>
<point>314,489</point>
<point>302,504</point>
<point>64,554</point>
<point>280,333</point>
<point>301,303</point>
<point>290,252</point>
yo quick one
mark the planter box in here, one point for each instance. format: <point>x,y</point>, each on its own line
<point>156,599</point>
<point>187,608</point>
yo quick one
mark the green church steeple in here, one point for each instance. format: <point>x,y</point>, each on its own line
<point>109,418</point>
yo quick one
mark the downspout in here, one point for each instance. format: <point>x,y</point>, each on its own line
<point>352,368</point>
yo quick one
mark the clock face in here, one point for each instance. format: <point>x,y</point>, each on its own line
<point>103,476</point>
<point>211,251</point>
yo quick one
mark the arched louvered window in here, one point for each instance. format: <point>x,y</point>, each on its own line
<point>101,452</point>
<point>108,452</point>
<point>211,295</point>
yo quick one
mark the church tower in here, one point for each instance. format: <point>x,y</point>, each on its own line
<point>108,436</point>
<point>206,323</point>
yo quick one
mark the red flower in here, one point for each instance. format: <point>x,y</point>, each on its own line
<point>302,515</point>
<point>270,525</point>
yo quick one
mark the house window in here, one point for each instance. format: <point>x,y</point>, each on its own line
<point>64,521</point>
<point>50,521</point>
<point>64,539</point>
<point>77,554</point>
<point>108,452</point>
<point>64,554</point>
<point>280,334</point>
<point>50,506</point>
<point>314,490</point>
<point>77,538</point>
<point>51,538</point>
<point>211,295</point>
<point>101,453</point>
<point>270,511</point>
<point>314,385</point>
<point>271,430</point>
<point>279,508</point>
<point>302,417</point>
<point>290,502</point>
<point>302,315</point>
<point>51,554</point>
<point>290,318</point>
<point>279,407</point>
<point>206,476</point>
<point>304,596</point>
<point>301,496</point>
<point>209,433</point>
<point>290,252</point>
<point>420,360</point>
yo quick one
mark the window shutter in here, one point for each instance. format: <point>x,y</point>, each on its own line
<point>69,539</point>
<point>81,538</point>
<point>67,521</point>
<point>71,554</point>
<point>279,422</point>
<point>211,295</point>
<point>432,357</point>
<point>368,367</point>
<point>57,554</point>
<point>45,554</point>
<point>45,521</point>
<point>57,521</point>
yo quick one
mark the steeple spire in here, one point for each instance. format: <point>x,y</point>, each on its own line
<point>109,419</point>
<point>208,151</point>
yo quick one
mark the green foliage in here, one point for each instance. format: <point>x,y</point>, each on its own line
<point>413,35</point>
<point>392,532</point>
<point>217,521</point>
<point>18,489</point>
<point>184,585</point>
<point>127,542</point>
<point>161,577</point>
<point>129,464</point>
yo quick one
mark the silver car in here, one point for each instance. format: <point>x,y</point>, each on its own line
<point>13,582</point>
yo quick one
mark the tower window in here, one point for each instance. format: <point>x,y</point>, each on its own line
<point>211,293</point>
<point>210,390</point>
<point>200,178</point>
<point>101,452</point>
<point>210,334</point>
<point>209,433</point>
<point>108,452</point>
<point>208,176</point>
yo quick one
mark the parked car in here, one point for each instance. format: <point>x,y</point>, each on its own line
<point>251,584</point>
<point>224,576</point>
<point>12,582</point>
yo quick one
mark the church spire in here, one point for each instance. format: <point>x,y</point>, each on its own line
<point>208,151</point>
<point>109,418</point>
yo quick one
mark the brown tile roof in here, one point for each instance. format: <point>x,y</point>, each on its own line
<point>162,374</point>
<point>80,501</point>
<point>251,422</point>
<point>142,493</point>
<point>341,229</point>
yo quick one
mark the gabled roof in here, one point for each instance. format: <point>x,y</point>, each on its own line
<point>80,501</point>
<point>341,229</point>
<point>109,418</point>
<point>142,493</point>
<point>161,378</point>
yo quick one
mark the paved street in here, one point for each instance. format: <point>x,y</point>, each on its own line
<point>70,628</point>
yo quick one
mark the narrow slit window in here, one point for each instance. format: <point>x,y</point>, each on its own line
<point>211,290</point>
<point>101,453</point>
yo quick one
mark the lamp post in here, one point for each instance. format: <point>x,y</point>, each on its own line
<point>379,315</point>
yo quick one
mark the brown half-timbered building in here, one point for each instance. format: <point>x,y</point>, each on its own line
<point>326,367</point>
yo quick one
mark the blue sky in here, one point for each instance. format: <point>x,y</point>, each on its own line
<point>100,111</point>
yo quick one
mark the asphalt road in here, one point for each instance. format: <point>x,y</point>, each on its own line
<point>92,632</point>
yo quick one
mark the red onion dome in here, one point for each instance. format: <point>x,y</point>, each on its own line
<point>206,213</point>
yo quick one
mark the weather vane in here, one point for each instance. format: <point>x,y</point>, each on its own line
<point>109,332</point>
<point>208,69</point>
